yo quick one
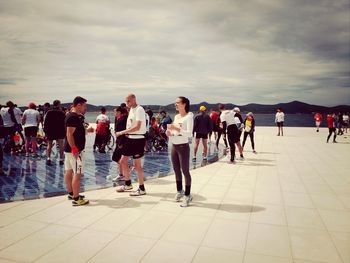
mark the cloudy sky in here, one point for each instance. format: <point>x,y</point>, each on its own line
<point>261,51</point>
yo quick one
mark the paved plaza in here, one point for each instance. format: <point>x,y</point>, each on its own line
<point>288,203</point>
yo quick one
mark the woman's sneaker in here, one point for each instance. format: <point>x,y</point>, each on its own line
<point>179,195</point>
<point>80,202</point>
<point>186,201</point>
<point>124,188</point>
<point>138,192</point>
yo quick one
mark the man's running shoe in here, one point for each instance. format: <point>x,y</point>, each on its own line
<point>254,152</point>
<point>80,202</point>
<point>70,197</point>
<point>119,178</point>
<point>124,188</point>
<point>138,192</point>
<point>186,201</point>
<point>179,195</point>
<point>194,159</point>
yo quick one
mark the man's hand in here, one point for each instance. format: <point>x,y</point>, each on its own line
<point>90,129</point>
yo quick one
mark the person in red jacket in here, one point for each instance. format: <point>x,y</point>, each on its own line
<point>318,120</point>
<point>331,122</point>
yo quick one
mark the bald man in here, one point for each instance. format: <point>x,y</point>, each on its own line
<point>134,145</point>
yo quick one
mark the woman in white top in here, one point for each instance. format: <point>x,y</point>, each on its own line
<point>31,120</point>
<point>179,133</point>
<point>279,119</point>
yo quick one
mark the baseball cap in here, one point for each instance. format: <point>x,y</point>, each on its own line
<point>202,108</point>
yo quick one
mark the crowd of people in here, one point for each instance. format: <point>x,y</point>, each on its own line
<point>134,128</point>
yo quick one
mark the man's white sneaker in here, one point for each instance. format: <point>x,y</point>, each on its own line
<point>186,201</point>
<point>124,188</point>
<point>179,195</point>
<point>138,192</point>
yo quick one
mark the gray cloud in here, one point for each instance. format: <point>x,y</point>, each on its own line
<point>232,51</point>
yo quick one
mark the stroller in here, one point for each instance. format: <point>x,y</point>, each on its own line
<point>157,140</point>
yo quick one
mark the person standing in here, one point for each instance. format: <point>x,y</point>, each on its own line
<point>1,140</point>
<point>279,120</point>
<point>318,120</point>
<point>179,133</point>
<point>221,130</point>
<point>31,120</point>
<point>340,123</point>
<point>74,150</point>
<point>202,127</point>
<point>9,119</point>
<point>121,117</point>
<point>249,129</point>
<point>54,128</point>
<point>102,130</point>
<point>214,118</point>
<point>134,145</point>
<point>346,121</point>
<point>331,122</point>
<point>240,126</point>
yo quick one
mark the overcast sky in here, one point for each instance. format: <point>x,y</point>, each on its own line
<point>260,51</point>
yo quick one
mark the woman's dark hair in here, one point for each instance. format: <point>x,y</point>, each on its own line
<point>122,110</point>
<point>103,110</point>
<point>186,101</point>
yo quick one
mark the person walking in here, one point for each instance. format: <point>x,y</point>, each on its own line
<point>318,120</point>
<point>54,128</point>
<point>31,120</point>
<point>202,127</point>
<point>179,133</point>
<point>279,120</point>
<point>229,125</point>
<point>134,145</point>
<point>346,122</point>
<point>249,129</point>
<point>331,122</point>
<point>74,150</point>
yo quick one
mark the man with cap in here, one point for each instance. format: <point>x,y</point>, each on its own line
<point>202,127</point>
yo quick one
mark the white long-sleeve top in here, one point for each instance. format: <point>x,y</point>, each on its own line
<point>279,117</point>
<point>186,128</point>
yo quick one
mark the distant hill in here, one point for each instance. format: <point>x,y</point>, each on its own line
<point>293,107</point>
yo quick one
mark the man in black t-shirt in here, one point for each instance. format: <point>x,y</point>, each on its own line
<point>54,128</point>
<point>74,150</point>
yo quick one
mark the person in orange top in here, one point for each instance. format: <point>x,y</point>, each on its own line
<point>318,120</point>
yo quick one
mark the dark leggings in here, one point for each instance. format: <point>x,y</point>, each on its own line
<point>223,136</point>
<point>331,130</point>
<point>232,136</point>
<point>251,135</point>
<point>180,157</point>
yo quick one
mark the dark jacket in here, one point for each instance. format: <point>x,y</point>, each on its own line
<point>54,123</point>
<point>202,123</point>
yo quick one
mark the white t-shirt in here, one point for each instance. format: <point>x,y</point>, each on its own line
<point>102,118</point>
<point>137,114</point>
<point>18,115</point>
<point>6,117</point>
<point>186,125</point>
<point>31,118</point>
<point>279,117</point>
<point>228,116</point>
<point>346,118</point>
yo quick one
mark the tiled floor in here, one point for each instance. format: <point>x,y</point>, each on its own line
<point>29,178</point>
<point>289,203</point>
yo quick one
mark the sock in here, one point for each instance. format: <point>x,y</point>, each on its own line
<point>187,190</point>
<point>128,182</point>
<point>179,186</point>
<point>142,187</point>
<point>70,193</point>
<point>76,198</point>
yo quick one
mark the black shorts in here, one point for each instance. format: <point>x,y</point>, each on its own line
<point>280,124</point>
<point>134,148</point>
<point>233,133</point>
<point>30,131</point>
<point>202,136</point>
